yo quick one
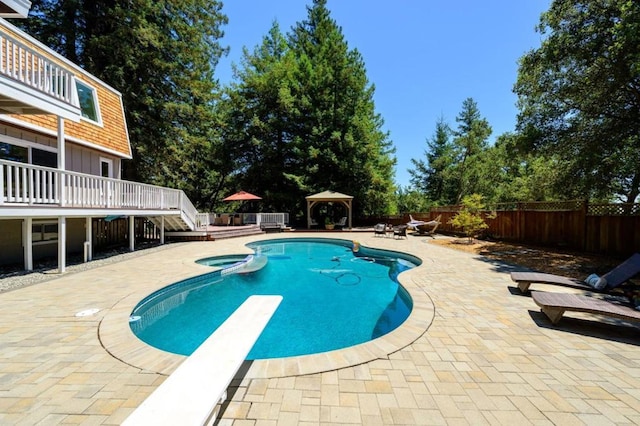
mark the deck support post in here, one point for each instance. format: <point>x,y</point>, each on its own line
<point>27,240</point>
<point>161,229</point>
<point>62,244</point>
<point>132,233</point>
<point>88,238</point>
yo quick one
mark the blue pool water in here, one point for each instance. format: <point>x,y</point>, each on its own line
<point>332,298</point>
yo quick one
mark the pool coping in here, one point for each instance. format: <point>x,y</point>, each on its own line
<point>117,338</point>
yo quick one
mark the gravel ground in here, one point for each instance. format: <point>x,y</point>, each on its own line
<point>13,278</point>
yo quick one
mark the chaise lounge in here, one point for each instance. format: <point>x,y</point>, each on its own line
<point>554,305</point>
<point>614,278</point>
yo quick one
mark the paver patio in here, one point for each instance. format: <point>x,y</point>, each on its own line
<point>487,357</point>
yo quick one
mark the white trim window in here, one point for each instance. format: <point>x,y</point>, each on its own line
<point>27,152</point>
<point>106,167</point>
<point>89,107</point>
<point>44,232</point>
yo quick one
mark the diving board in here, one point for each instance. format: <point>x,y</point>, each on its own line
<point>191,394</point>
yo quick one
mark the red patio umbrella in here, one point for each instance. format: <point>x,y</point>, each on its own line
<point>242,196</point>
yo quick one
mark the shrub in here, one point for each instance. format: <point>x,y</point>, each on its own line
<point>470,217</point>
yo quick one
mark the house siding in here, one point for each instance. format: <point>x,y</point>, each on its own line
<point>111,133</point>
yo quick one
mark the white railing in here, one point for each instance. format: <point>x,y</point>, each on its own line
<point>278,218</point>
<point>21,63</point>
<point>26,184</point>
<point>258,218</point>
<point>203,220</point>
<point>189,212</point>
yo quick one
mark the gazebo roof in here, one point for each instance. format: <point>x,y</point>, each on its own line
<point>328,196</point>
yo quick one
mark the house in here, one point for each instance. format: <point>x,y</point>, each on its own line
<point>63,138</point>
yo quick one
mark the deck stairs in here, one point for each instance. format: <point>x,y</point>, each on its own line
<point>212,233</point>
<point>172,223</point>
<point>219,233</point>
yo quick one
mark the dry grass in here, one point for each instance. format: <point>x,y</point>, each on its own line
<point>541,259</point>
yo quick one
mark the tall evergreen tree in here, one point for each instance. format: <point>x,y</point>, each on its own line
<point>432,176</point>
<point>579,96</point>
<point>261,108</point>
<point>338,133</point>
<point>302,110</point>
<point>161,56</point>
<point>470,143</point>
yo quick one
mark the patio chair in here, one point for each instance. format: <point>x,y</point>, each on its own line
<point>342,222</point>
<point>380,229</point>
<point>400,231</point>
<point>554,305</point>
<point>429,228</point>
<point>612,279</point>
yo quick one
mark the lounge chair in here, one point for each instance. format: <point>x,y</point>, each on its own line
<point>400,231</point>
<point>380,229</point>
<point>617,276</point>
<point>554,305</point>
<point>414,223</point>
<point>429,228</point>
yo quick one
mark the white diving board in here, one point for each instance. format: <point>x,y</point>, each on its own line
<point>191,394</point>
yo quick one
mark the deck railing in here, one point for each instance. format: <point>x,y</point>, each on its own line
<point>22,63</point>
<point>258,218</point>
<point>27,184</point>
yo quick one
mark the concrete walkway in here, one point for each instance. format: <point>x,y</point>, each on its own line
<point>485,356</point>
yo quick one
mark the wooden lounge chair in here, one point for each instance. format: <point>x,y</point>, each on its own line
<point>429,228</point>
<point>554,305</point>
<point>617,276</point>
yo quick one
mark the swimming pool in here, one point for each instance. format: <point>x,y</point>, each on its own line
<point>333,298</point>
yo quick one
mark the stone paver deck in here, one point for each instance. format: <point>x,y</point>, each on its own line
<point>477,352</point>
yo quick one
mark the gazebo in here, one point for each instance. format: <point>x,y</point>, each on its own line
<point>328,197</point>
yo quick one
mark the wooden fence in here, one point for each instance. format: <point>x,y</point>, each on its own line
<point>613,229</point>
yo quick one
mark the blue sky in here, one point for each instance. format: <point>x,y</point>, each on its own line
<point>424,57</point>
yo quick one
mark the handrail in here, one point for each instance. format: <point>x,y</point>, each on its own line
<point>189,212</point>
<point>22,63</point>
<point>23,183</point>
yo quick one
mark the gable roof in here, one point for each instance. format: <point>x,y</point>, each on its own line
<point>328,196</point>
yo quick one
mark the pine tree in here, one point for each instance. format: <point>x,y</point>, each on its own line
<point>339,135</point>
<point>161,56</point>
<point>432,176</point>
<point>470,143</point>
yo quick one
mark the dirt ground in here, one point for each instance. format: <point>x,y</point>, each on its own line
<point>541,259</point>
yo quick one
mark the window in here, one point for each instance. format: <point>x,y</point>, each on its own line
<point>14,152</point>
<point>88,101</point>
<point>44,232</point>
<point>44,158</point>
<point>21,154</point>
<point>106,167</point>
